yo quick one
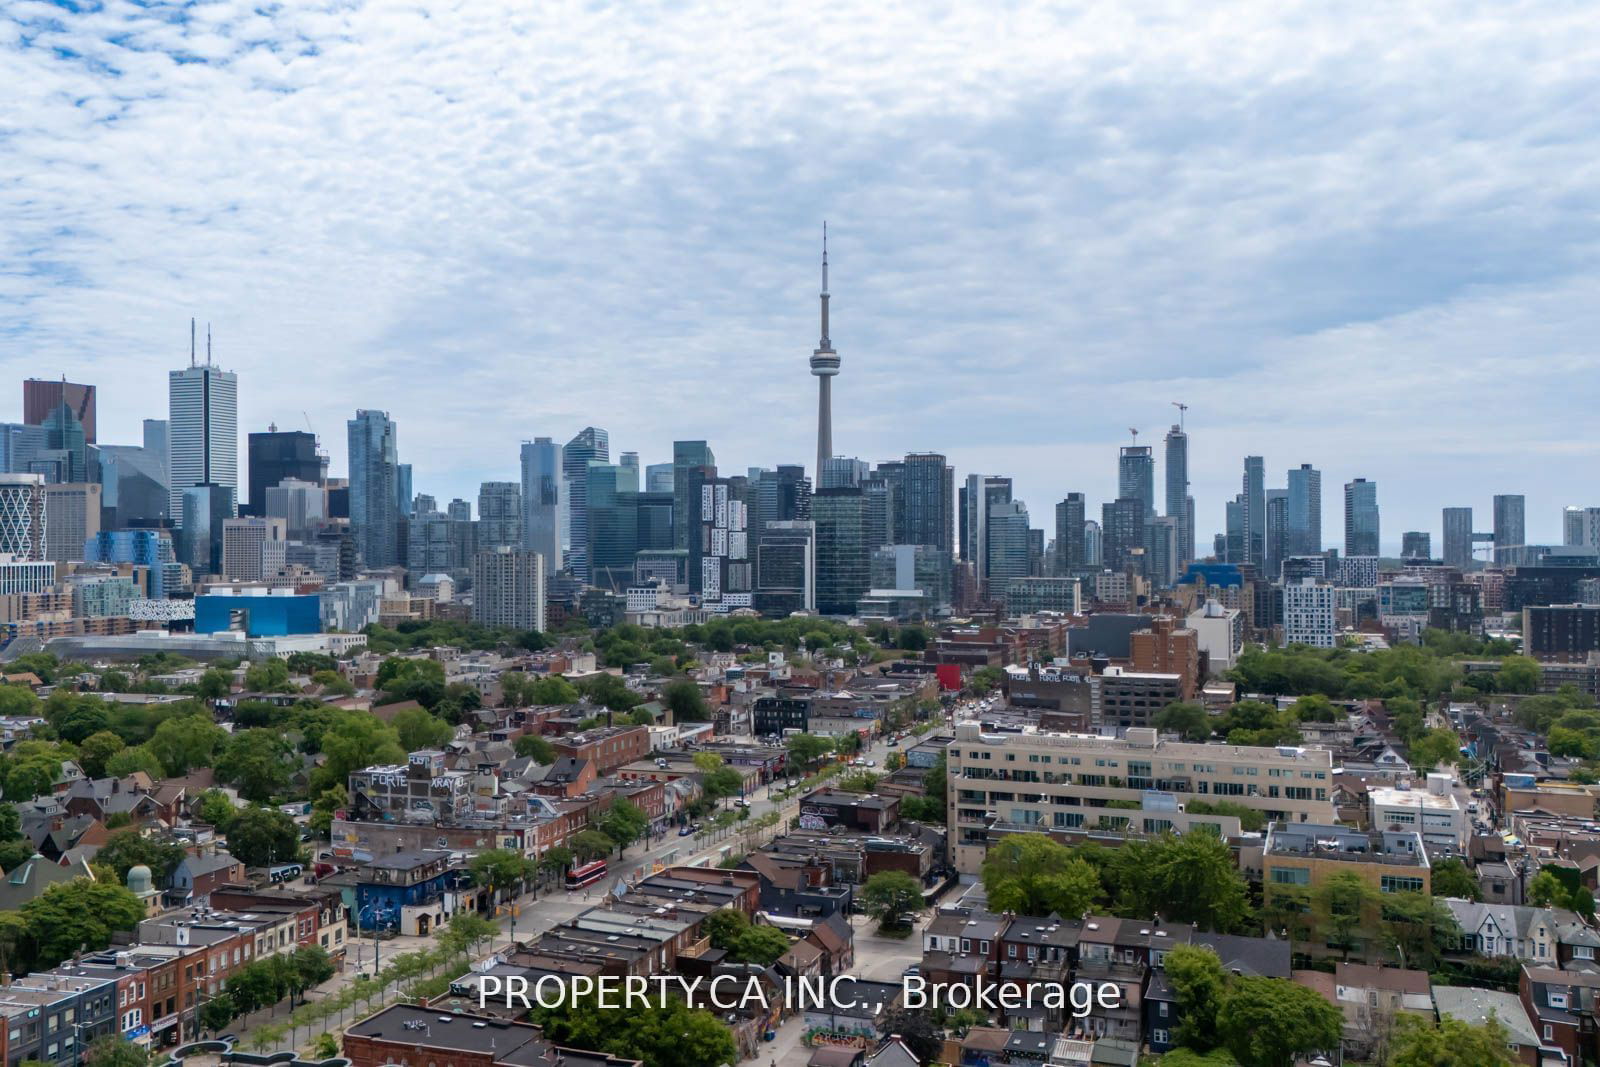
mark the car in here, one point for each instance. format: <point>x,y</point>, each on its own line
<point>858,762</point>
<point>872,763</point>
<point>911,971</point>
<point>893,741</point>
<point>685,831</point>
<point>741,803</point>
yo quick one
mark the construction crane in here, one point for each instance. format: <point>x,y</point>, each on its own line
<point>1135,433</point>
<point>1182,407</point>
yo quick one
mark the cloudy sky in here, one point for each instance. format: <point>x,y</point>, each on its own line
<point>1360,236</point>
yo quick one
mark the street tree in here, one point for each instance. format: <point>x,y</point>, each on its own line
<point>1032,875</point>
<point>1273,1022</point>
<point>888,896</point>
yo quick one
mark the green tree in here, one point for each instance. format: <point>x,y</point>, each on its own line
<point>1435,747</point>
<point>82,913</point>
<point>1197,977</point>
<point>1032,875</point>
<point>113,1050</point>
<point>1452,879</point>
<point>14,848</point>
<point>1193,879</point>
<point>214,685</point>
<point>186,742</point>
<point>499,869</point>
<point>555,861</point>
<point>684,699</point>
<point>1518,674</point>
<point>743,941</point>
<point>333,683</point>
<point>268,676</point>
<point>1271,1022</point>
<point>536,748</point>
<point>610,692</point>
<point>552,689</point>
<point>890,895</point>
<point>985,680</point>
<point>722,782</point>
<point>353,740</point>
<point>665,1034</point>
<point>418,729</point>
<point>132,760</point>
<point>1343,904</point>
<point>263,837</point>
<point>215,809</point>
<point>589,845</point>
<point>128,848</point>
<point>31,768</point>
<point>1251,820</point>
<point>96,750</point>
<point>1188,720</point>
<point>79,719</point>
<point>1546,890</point>
<point>258,762</point>
<point>623,822</point>
<point>1420,927</point>
<point>807,749</point>
<point>1416,1042</point>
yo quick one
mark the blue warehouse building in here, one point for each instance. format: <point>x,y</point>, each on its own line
<point>258,616</point>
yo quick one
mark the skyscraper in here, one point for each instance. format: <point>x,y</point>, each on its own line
<point>1136,476</point>
<point>924,506</point>
<point>1008,552</point>
<point>375,487</point>
<point>1277,539</point>
<point>508,588</point>
<point>824,365</point>
<point>1303,532</point>
<point>841,472</point>
<point>202,428</point>
<point>1255,509</point>
<point>612,503</point>
<point>1416,544</point>
<point>541,500</point>
<point>276,455</point>
<point>591,445</point>
<point>1361,518</point>
<point>1178,494</point>
<point>781,495</point>
<point>786,568</point>
<point>1509,529</point>
<point>22,519</point>
<point>977,496</point>
<point>688,457</point>
<point>1458,537</point>
<point>1070,555</point>
<point>499,515</point>
<point>842,557</point>
<point>1122,524</point>
<point>41,396</point>
<point>658,478</point>
<point>71,517</point>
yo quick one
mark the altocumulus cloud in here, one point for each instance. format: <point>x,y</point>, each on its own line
<point>1358,237</point>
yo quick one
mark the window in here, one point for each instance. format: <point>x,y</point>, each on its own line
<point>1394,883</point>
<point>1159,1037</point>
<point>1291,875</point>
<point>1549,1032</point>
<point>1582,952</point>
<point>966,945</point>
<point>1558,1000</point>
<point>983,947</point>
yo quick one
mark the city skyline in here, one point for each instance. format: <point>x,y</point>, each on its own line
<point>1024,272</point>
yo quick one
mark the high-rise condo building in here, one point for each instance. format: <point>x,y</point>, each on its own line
<point>1361,518</point>
<point>375,487</point>
<point>22,516</point>
<point>541,499</point>
<point>591,445</point>
<point>499,515</point>
<point>1071,557</point>
<point>1510,530</point>
<point>508,588</point>
<point>1303,534</point>
<point>1136,476</point>
<point>1177,501</point>
<point>842,557</point>
<point>1254,494</point>
<point>1458,537</point>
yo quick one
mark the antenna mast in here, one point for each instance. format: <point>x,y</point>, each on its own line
<point>1182,407</point>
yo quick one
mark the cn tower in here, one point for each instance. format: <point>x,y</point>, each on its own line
<point>824,364</point>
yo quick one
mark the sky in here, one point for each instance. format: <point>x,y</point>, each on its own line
<point>1359,236</point>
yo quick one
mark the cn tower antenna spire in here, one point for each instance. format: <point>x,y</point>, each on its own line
<point>824,364</point>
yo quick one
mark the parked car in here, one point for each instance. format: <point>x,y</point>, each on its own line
<point>685,831</point>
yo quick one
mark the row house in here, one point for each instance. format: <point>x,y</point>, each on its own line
<point>318,913</point>
<point>1544,937</point>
